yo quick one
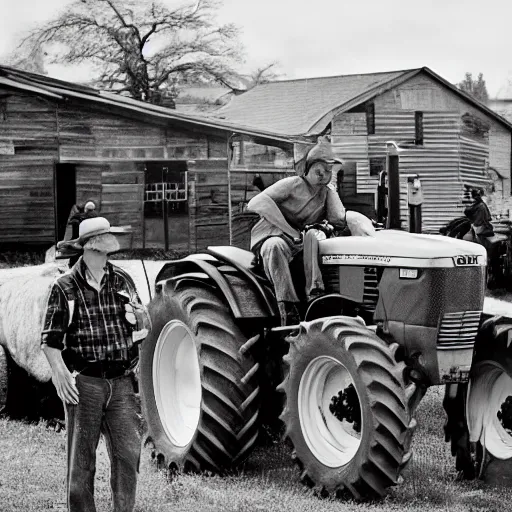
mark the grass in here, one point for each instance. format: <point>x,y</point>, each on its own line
<point>33,466</point>
<point>33,462</point>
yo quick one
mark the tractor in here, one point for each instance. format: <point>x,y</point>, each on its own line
<point>402,312</point>
<point>499,249</point>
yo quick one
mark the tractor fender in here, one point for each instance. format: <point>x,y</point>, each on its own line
<point>332,304</point>
<point>246,298</point>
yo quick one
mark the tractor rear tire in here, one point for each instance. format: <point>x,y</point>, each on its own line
<point>363,454</point>
<point>200,391</point>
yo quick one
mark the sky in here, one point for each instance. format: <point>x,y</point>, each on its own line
<point>334,37</point>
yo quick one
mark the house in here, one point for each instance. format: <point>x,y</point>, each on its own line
<point>446,137</point>
<point>162,174</point>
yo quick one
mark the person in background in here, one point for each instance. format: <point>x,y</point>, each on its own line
<point>87,211</point>
<point>285,209</point>
<point>480,216</point>
<point>93,324</point>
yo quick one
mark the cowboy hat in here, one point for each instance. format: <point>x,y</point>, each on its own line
<point>322,152</point>
<point>88,229</point>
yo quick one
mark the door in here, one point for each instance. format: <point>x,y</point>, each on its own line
<point>166,216</point>
<point>65,197</point>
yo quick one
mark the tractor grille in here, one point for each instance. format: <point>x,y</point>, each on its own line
<point>458,330</point>
<point>371,291</point>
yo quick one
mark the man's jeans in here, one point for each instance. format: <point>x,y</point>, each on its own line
<point>106,406</point>
<point>277,253</point>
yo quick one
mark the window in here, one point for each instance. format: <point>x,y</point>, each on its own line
<point>418,128</point>
<point>377,165</point>
<point>370,118</point>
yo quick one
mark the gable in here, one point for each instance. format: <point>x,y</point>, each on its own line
<point>292,107</point>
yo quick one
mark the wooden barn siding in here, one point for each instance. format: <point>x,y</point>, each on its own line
<point>122,199</point>
<point>353,149</point>
<point>443,163</point>
<point>108,151</point>
<point>473,158</point>
<point>26,178</point>
<point>500,202</point>
<point>26,200</point>
<point>95,135</point>
<point>437,164</point>
<point>120,146</point>
<point>117,188</point>
<point>208,203</point>
<point>425,94</point>
<point>360,148</point>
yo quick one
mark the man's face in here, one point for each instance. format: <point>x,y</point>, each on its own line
<point>320,173</point>
<point>105,243</point>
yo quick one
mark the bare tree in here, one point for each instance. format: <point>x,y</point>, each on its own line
<point>141,48</point>
<point>32,62</point>
<point>262,75</point>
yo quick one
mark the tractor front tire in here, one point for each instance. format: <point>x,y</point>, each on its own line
<point>488,407</point>
<point>338,448</point>
<point>199,386</point>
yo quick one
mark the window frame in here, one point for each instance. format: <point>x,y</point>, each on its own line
<point>418,128</point>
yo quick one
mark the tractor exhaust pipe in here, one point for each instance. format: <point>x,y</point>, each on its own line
<point>394,221</point>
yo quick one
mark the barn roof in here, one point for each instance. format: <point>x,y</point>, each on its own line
<point>60,90</point>
<point>306,106</point>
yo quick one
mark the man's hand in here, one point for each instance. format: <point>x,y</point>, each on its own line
<point>137,315</point>
<point>62,378</point>
<point>64,382</point>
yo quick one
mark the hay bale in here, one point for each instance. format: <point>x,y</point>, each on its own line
<point>24,294</point>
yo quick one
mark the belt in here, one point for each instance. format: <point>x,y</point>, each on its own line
<point>105,369</point>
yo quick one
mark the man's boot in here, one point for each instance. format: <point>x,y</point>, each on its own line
<point>289,313</point>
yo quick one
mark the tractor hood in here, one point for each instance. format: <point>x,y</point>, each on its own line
<point>392,248</point>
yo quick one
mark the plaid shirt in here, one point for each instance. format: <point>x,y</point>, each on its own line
<point>98,329</point>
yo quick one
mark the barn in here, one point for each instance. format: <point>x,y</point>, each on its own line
<point>161,174</point>
<point>182,180</point>
<point>446,137</point>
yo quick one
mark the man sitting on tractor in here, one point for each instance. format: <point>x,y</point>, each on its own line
<point>286,208</point>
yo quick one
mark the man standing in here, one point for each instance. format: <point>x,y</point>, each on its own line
<point>93,324</point>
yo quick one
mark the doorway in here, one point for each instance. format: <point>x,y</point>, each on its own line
<point>64,197</point>
<point>166,218</point>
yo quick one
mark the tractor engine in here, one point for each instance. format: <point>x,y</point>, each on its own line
<point>425,292</point>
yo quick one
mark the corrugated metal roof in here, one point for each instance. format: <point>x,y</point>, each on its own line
<point>294,106</point>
